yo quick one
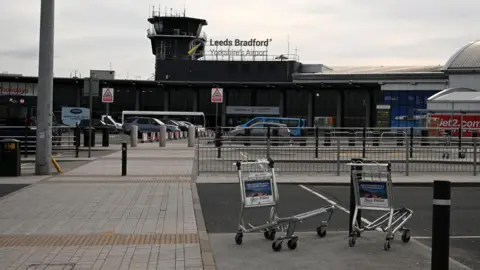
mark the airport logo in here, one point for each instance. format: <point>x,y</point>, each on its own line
<point>251,47</point>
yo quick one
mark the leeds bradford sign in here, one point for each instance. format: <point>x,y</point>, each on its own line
<point>229,47</point>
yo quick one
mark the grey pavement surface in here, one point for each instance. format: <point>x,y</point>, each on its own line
<point>221,203</point>
<point>81,221</point>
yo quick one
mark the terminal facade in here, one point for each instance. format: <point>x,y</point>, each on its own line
<point>187,67</point>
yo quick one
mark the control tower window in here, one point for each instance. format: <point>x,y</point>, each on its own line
<point>158,27</point>
<point>176,31</point>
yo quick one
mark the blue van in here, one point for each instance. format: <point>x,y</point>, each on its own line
<point>294,124</point>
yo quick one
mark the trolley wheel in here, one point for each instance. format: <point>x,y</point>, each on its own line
<point>352,240</point>
<point>447,155</point>
<point>322,230</point>
<point>269,234</point>
<point>461,155</point>
<point>277,245</point>
<point>239,238</point>
<point>406,236</point>
<point>387,245</point>
<point>292,243</point>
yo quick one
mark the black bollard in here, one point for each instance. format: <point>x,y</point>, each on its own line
<point>441,225</point>
<point>411,142</point>
<point>218,141</point>
<point>364,142</point>
<point>316,142</point>
<point>124,159</point>
<point>352,196</point>
<point>77,140</point>
<point>105,138</point>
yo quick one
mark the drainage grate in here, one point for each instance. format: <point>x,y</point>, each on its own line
<point>97,240</point>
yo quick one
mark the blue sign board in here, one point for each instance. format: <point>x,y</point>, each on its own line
<point>73,115</point>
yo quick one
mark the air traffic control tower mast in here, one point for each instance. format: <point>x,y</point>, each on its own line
<point>176,37</point>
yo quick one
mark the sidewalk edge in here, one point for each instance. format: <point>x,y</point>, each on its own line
<point>205,247</point>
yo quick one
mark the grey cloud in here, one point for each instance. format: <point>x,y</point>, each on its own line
<point>23,53</point>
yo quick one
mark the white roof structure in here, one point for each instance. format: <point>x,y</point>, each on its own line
<point>455,100</point>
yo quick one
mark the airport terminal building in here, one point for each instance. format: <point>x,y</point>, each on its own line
<point>189,64</point>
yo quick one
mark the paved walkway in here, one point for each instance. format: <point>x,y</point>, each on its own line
<point>87,219</point>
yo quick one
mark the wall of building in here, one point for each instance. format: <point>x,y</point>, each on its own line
<point>464,80</point>
<point>237,71</point>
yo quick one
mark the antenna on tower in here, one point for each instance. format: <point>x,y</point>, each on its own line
<point>184,8</point>
<point>111,66</point>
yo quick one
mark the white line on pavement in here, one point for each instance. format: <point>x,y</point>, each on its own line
<point>451,237</point>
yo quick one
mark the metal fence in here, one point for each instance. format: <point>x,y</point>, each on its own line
<point>409,150</point>
<point>64,140</point>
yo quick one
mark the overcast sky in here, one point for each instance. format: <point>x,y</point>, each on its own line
<point>91,34</point>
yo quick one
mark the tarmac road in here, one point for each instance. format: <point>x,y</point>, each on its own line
<point>221,204</point>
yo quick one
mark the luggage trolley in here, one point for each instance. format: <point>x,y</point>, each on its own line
<point>258,188</point>
<point>373,191</point>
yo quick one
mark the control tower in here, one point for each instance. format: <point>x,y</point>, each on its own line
<point>176,37</point>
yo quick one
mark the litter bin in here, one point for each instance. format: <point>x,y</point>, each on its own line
<point>86,137</point>
<point>10,164</point>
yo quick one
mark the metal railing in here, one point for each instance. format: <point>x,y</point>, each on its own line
<point>64,139</point>
<point>329,150</point>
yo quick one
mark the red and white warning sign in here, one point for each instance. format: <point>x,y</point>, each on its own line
<point>107,95</point>
<point>217,95</point>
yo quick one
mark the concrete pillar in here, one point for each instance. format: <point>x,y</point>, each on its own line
<point>163,136</point>
<point>134,136</point>
<point>191,136</point>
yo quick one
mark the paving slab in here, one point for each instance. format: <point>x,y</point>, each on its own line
<point>331,252</point>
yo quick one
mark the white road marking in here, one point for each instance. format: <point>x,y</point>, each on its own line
<point>451,237</point>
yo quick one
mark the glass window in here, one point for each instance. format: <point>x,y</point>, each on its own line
<point>143,121</point>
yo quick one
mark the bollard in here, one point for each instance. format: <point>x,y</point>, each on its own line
<point>248,132</point>
<point>218,141</point>
<point>411,142</point>
<point>275,136</point>
<point>191,136</point>
<point>124,159</point>
<point>134,136</point>
<point>364,142</point>
<point>105,138</point>
<point>303,136</point>
<point>316,142</point>
<point>77,141</point>
<point>441,225</point>
<point>352,196</point>
<point>158,136</point>
<point>163,136</point>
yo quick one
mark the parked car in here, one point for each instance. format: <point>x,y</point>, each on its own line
<point>261,129</point>
<point>146,125</point>
<point>98,125</point>
<point>181,126</point>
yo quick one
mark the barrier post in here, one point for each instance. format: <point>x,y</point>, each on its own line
<point>352,195</point>
<point>163,136</point>
<point>134,136</point>
<point>364,142</point>
<point>328,135</point>
<point>399,138</point>
<point>316,142</point>
<point>77,140</point>
<point>25,144</point>
<point>474,139</point>
<point>269,135</point>
<point>218,141</point>
<point>411,142</point>
<point>441,225</point>
<point>124,159</point>
<point>351,138</point>
<point>191,136</point>
<point>105,138</point>
<point>303,136</point>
